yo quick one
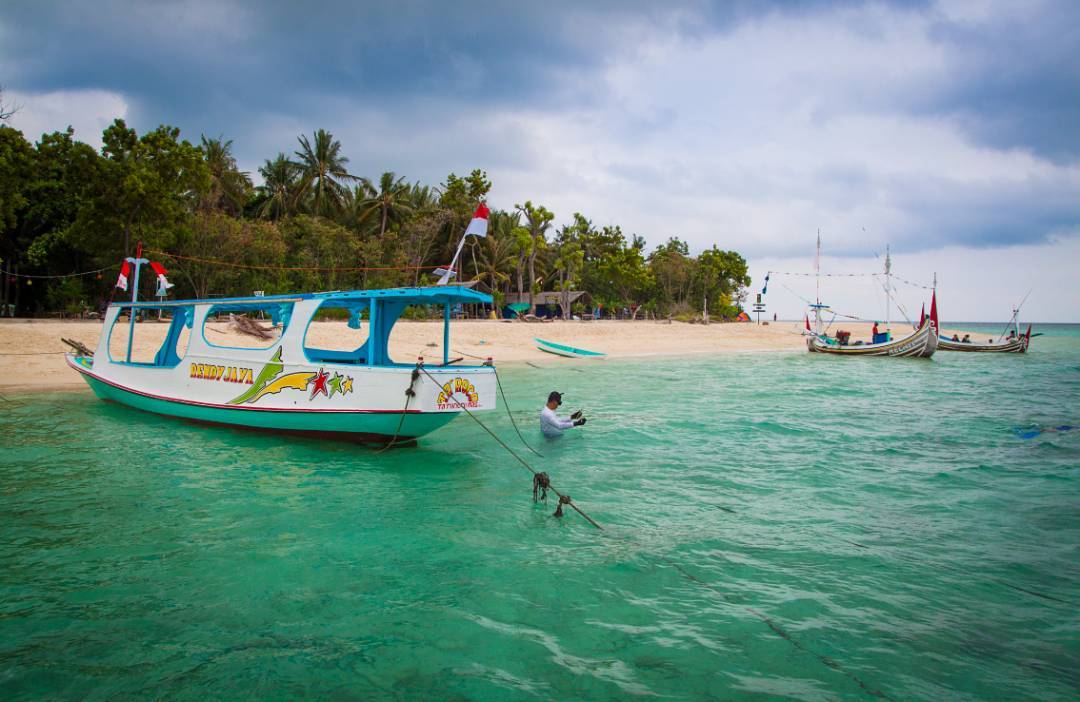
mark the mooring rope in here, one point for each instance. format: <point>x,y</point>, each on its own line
<point>53,277</point>
<point>409,395</point>
<point>563,498</point>
<point>510,414</point>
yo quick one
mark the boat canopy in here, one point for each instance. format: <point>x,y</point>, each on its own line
<point>442,295</point>
<point>383,308</point>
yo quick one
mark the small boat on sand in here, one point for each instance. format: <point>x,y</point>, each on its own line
<point>292,377</point>
<point>566,351</point>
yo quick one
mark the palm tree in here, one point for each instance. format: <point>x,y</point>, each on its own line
<point>390,201</point>
<point>538,219</point>
<point>229,186</point>
<point>279,187</point>
<point>496,258</point>
<point>322,173</point>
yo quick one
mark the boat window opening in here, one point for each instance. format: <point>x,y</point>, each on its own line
<point>256,327</point>
<point>421,327</point>
<point>159,338</point>
<point>339,332</point>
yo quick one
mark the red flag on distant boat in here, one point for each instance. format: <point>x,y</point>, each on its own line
<point>163,282</point>
<point>807,317</point>
<point>933,311</point>
<point>478,225</point>
<point>122,281</point>
<point>1028,335</point>
<point>922,316</point>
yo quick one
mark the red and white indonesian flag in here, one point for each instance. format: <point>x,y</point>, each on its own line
<point>122,281</point>
<point>162,281</point>
<point>478,225</point>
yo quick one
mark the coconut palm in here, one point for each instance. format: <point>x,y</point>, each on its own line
<point>322,173</point>
<point>229,186</point>
<point>389,202</point>
<point>496,254</point>
<point>279,187</point>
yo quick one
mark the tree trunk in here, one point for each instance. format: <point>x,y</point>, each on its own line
<point>520,282</point>
<point>532,277</point>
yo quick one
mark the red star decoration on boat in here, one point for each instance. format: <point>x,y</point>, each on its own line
<point>318,384</point>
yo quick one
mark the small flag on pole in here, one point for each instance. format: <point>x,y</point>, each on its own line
<point>163,282</point>
<point>122,281</point>
<point>807,317</point>
<point>933,311</point>
<point>478,225</point>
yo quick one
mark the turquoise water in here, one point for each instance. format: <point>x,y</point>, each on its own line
<point>778,525</point>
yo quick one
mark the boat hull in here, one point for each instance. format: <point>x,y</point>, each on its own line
<point>566,351</point>
<point>364,425</point>
<point>1019,345</point>
<point>921,344</point>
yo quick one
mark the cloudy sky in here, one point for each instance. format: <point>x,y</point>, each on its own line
<point>949,130</point>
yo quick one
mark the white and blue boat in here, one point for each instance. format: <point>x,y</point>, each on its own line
<point>295,380</point>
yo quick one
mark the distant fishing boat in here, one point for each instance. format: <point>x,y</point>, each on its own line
<point>567,351</point>
<point>1017,343</point>
<point>920,344</point>
<point>288,382</point>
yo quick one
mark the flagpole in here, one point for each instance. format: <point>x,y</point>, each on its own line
<point>138,261</point>
<point>817,272</point>
<point>450,271</point>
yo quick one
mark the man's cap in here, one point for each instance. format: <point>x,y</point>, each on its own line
<point>555,397</point>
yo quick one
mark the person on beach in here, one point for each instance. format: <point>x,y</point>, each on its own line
<point>551,424</point>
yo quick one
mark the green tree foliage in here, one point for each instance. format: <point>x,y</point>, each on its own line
<point>310,225</point>
<point>278,195</point>
<point>323,176</point>
<point>537,220</point>
<point>16,168</point>
<point>389,203</point>
<point>143,190</point>
<point>229,188</point>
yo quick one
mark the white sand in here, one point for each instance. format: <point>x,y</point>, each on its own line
<point>40,363</point>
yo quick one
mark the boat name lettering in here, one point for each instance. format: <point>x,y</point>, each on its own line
<point>458,393</point>
<point>226,374</point>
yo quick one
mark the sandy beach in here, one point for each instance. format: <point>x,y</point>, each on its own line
<point>31,353</point>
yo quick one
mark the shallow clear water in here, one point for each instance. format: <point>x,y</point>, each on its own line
<point>775,525</point>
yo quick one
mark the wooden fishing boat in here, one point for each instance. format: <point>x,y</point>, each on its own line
<point>566,351</point>
<point>920,344</point>
<point>288,381</point>
<point>1017,344</point>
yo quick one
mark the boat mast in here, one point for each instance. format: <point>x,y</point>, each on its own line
<point>888,286</point>
<point>817,294</point>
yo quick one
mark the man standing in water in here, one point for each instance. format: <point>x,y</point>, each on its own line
<point>550,423</point>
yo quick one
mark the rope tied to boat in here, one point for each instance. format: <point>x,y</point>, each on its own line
<point>562,499</point>
<point>410,393</point>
